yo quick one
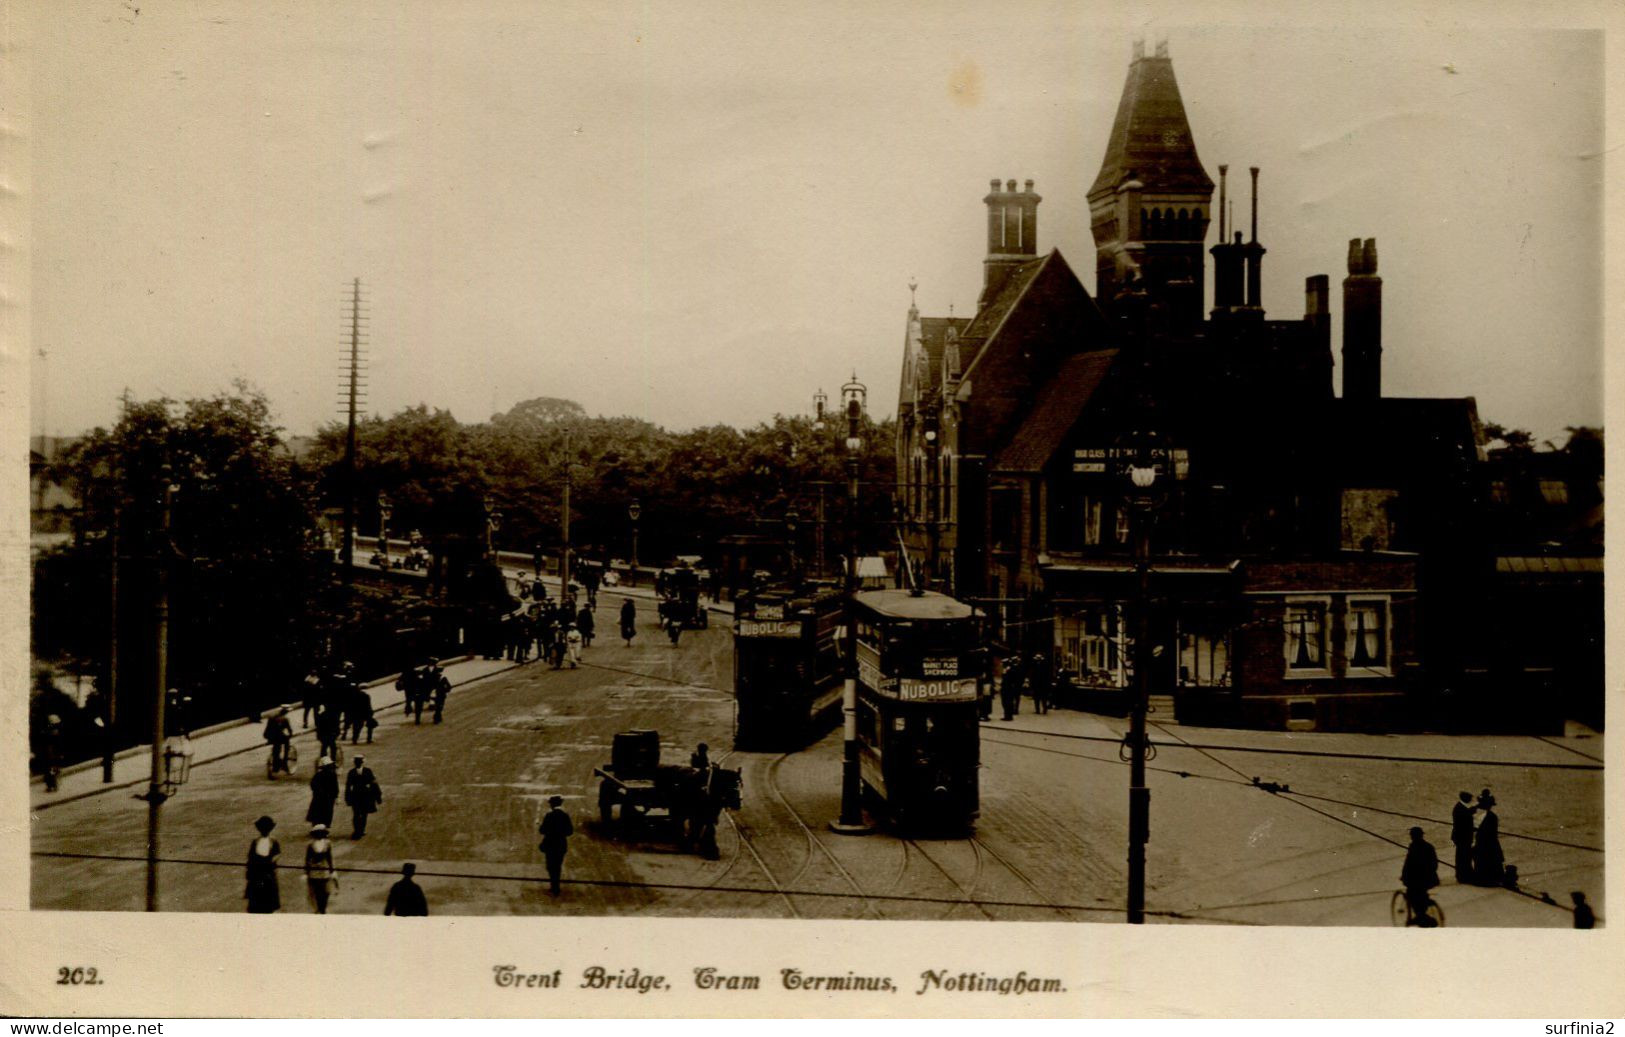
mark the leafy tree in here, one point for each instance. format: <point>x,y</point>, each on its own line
<point>205,494</point>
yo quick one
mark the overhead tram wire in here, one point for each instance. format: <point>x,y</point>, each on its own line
<point>1249,783</point>
<point>1325,753</point>
<point>620,884</point>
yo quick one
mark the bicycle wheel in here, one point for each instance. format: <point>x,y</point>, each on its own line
<point>1399,909</point>
<point>1436,913</point>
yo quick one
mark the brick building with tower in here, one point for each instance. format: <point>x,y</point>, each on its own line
<point>1313,555</point>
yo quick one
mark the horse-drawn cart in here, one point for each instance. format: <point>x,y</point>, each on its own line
<point>647,791</point>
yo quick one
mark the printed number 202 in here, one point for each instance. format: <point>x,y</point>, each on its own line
<point>66,977</point>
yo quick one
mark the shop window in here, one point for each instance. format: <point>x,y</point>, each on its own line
<point>1122,525</point>
<point>1204,659</point>
<point>1555,491</point>
<point>1304,627</point>
<point>1365,630</point>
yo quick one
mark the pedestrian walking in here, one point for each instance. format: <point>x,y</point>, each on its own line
<point>310,692</point>
<point>1010,687</point>
<point>361,717</point>
<point>674,629</point>
<point>1489,864</point>
<point>328,730</point>
<point>260,889</point>
<point>406,898</point>
<point>361,794</point>
<point>1039,681</point>
<point>1583,918</point>
<point>1419,874</point>
<point>1461,836</point>
<point>591,577</point>
<point>321,878</point>
<point>629,621</point>
<point>556,829</point>
<point>436,678</point>
<point>49,751</point>
<point>324,792</point>
<point>585,623</point>
<point>572,643</point>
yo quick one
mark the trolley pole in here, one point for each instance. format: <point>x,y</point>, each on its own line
<point>851,820</point>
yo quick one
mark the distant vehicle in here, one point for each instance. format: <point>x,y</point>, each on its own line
<point>920,680</point>
<point>787,664</point>
<point>679,591</point>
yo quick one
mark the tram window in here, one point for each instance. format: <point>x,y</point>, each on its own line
<point>868,725</point>
<point>899,723</point>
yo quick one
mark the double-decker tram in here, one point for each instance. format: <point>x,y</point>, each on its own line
<point>920,675</point>
<point>787,665</point>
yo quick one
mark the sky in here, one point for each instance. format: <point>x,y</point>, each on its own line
<point>704,213</point>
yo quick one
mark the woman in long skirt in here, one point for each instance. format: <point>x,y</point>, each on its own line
<point>1488,862</point>
<point>320,876</point>
<point>261,890</point>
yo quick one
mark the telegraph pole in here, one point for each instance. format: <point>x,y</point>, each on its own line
<point>564,523</point>
<point>851,820</point>
<point>353,395</point>
<point>155,788</point>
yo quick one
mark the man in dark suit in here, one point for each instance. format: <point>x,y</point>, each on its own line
<point>406,897</point>
<point>361,794</point>
<point>556,829</point>
<point>1461,836</point>
<point>1419,874</point>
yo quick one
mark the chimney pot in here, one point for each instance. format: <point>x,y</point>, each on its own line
<point>1356,257</point>
<point>1029,187</point>
<point>1011,187</point>
<point>994,185</point>
<point>1370,255</point>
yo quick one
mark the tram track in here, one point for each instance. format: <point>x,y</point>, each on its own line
<point>815,842</point>
<point>965,891</point>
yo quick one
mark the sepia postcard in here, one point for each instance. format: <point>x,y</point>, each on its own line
<point>794,510</point>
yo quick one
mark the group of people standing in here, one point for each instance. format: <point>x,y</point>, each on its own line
<point>340,704</point>
<point>1478,850</point>
<point>559,632</point>
<point>1022,675</point>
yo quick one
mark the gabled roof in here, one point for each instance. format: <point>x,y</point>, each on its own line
<point>988,319</point>
<point>1151,136</point>
<point>933,338</point>
<point>1056,411</point>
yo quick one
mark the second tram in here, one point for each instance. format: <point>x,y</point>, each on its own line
<point>787,667</point>
<point>921,675</point>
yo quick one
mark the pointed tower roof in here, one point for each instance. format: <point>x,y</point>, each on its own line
<point>1151,137</point>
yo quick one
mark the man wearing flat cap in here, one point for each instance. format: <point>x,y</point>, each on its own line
<point>556,830</point>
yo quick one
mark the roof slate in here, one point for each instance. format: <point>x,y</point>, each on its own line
<point>1151,135</point>
<point>1055,412</point>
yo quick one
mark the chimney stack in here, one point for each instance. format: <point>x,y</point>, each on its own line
<point>1012,233</point>
<point>1255,257</point>
<point>1362,323</point>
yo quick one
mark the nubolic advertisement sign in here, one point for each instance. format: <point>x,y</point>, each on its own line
<point>768,628</point>
<point>913,689</point>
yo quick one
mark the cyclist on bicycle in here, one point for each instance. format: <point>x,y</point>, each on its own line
<point>1420,874</point>
<point>279,733</point>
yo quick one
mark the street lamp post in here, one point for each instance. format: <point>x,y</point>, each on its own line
<point>493,522</point>
<point>384,510</point>
<point>933,445</point>
<point>1142,472</point>
<point>792,519</point>
<point>633,511</point>
<point>851,820</point>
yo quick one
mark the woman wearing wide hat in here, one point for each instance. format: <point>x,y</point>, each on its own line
<point>261,890</point>
<point>1488,861</point>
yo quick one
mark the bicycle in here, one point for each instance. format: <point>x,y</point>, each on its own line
<point>283,762</point>
<point>1402,915</point>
